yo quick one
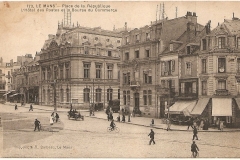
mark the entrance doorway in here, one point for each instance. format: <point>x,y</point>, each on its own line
<point>136,99</point>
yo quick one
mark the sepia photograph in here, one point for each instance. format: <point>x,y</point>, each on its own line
<point>119,79</point>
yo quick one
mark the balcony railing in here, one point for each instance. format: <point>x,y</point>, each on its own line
<point>222,92</point>
<point>188,96</point>
<point>135,83</point>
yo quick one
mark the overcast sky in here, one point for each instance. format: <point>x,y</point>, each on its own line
<point>24,32</point>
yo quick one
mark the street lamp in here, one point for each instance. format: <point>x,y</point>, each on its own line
<point>53,84</point>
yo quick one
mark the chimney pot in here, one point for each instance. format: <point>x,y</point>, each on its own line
<point>194,14</point>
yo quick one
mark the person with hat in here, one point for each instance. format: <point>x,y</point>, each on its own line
<point>37,124</point>
<point>194,149</point>
<point>151,134</point>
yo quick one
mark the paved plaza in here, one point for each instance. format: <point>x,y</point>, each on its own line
<point>90,139</point>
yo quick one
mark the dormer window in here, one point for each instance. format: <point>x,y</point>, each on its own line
<point>221,42</point>
<point>171,47</point>
<point>137,38</point>
<point>127,40</point>
<point>204,44</point>
<point>188,49</point>
<point>147,36</point>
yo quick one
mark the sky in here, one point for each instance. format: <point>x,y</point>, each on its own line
<point>24,32</point>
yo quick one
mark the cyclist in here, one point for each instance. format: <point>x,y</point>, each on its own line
<point>194,149</point>
<point>112,124</point>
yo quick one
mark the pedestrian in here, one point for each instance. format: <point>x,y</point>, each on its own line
<point>190,123</point>
<point>151,134</point>
<point>194,149</point>
<point>123,118</point>
<point>16,107</point>
<point>218,123</point>
<point>37,124</point>
<point>51,120</point>
<point>71,106</point>
<point>31,107</point>
<point>57,117</point>
<point>221,125</point>
<point>168,122</point>
<point>118,117</point>
<point>195,132</point>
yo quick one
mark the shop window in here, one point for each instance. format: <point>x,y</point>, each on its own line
<point>228,119</point>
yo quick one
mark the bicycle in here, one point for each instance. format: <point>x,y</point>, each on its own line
<point>116,129</point>
<point>196,155</point>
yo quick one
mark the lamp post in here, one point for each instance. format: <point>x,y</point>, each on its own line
<point>53,84</point>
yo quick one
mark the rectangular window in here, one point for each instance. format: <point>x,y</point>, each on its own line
<point>61,72</point>
<point>183,88</point>
<point>238,65</point>
<point>204,66</point>
<point>188,68</point>
<point>118,93</point>
<point>124,98</point>
<point>110,71</point>
<point>188,49</point>
<point>147,78</point>
<point>61,95</point>
<point>147,36</point>
<point>128,97</point>
<point>127,40</point>
<point>149,97</point>
<point>221,65</point>
<point>204,87</point>
<point>128,78</point>
<point>147,53</point>
<point>44,74</point>
<point>86,50</point>
<point>127,56</point>
<point>137,38</point>
<point>98,95</point>
<point>221,42</point>
<point>109,94</point>
<point>137,54</point>
<point>221,84</point>
<point>86,70</point>
<point>204,44</point>
<point>109,53</point>
<point>86,95</point>
<point>98,71</point>
<point>144,97</point>
<point>55,72</point>
<point>67,71</point>
<point>68,95</point>
<point>238,42</point>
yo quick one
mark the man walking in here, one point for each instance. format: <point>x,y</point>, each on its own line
<point>195,132</point>
<point>31,107</point>
<point>151,134</point>
<point>194,149</point>
<point>37,124</point>
<point>57,117</point>
<point>16,107</point>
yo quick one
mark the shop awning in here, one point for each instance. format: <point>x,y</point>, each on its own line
<point>238,102</point>
<point>180,107</point>
<point>221,106</point>
<point>201,105</point>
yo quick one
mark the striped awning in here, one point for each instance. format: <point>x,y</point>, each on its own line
<point>201,105</point>
<point>182,107</point>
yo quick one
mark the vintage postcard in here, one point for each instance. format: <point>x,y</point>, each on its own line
<point>119,79</point>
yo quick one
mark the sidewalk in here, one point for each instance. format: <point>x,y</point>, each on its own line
<point>158,123</point>
<point>140,121</point>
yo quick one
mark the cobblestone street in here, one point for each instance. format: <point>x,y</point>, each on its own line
<point>89,138</point>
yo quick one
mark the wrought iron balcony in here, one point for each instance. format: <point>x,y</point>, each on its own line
<point>135,83</point>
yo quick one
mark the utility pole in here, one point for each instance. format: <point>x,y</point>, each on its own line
<point>169,95</point>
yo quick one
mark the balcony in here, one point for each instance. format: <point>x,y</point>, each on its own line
<point>222,92</point>
<point>135,85</point>
<point>188,96</point>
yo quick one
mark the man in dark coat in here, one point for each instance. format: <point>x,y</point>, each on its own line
<point>195,132</point>
<point>16,107</point>
<point>194,149</point>
<point>31,107</point>
<point>57,117</point>
<point>37,124</point>
<point>190,123</point>
<point>151,134</point>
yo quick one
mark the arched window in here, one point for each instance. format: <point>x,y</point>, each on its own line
<point>86,94</point>
<point>98,95</point>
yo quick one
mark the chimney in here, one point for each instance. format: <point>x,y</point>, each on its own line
<point>125,26</point>
<point>233,15</point>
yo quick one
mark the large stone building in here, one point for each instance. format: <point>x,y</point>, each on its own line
<point>219,61</point>
<point>79,66</point>
<point>26,80</point>
<point>143,78</point>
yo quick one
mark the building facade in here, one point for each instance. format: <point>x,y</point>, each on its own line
<point>219,73</point>
<point>79,66</point>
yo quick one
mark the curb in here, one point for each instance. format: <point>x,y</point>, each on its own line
<point>165,128</point>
